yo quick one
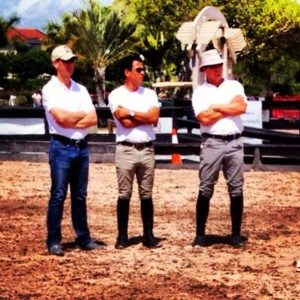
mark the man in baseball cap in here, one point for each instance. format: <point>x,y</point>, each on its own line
<point>70,112</point>
<point>62,52</point>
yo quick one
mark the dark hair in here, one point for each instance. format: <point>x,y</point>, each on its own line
<point>126,62</point>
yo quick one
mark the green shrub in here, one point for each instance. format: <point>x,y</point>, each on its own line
<point>22,100</point>
<point>4,95</point>
<point>3,102</point>
<point>14,84</point>
<point>33,84</point>
<point>296,88</point>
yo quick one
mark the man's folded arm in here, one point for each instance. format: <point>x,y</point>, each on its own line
<point>80,120</point>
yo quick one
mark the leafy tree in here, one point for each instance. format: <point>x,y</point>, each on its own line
<point>22,63</point>
<point>4,26</point>
<point>27,67</point>
<point>154,16</point>
<point>4,67</point>
<point>272,32</point>
<point>157,23</point>
<point>271,29</point>
<point>99,36</point>
<point>56,34</point>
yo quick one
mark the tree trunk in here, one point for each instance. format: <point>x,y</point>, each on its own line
<point>100,85</point>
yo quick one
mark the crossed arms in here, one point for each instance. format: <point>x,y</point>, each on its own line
<point>79,120</point>
<point>214,113</point>
<point>149,117</point>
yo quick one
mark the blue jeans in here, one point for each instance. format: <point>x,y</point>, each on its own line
<point>69,165</point>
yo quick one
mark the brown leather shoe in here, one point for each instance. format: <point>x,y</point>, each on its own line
<point>91,246</point>
<point>152,242</point>
<point>121,243</point>
<point>56,249</point>
<point>238,241</point>
<point>200,241</point>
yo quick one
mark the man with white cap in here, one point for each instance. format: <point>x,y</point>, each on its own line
<point>218,105</point>
<point>69,111</point>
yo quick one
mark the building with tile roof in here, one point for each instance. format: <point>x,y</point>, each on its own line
<point>30,36</point>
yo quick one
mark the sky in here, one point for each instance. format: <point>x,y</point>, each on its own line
<point>36,13</point>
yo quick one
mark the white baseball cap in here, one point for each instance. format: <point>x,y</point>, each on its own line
<point>210,58</point>
<point>62,52</point>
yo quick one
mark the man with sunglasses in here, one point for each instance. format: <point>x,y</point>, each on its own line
<point>70,112</point>
<point>136,112</point>
<point>218,104</point>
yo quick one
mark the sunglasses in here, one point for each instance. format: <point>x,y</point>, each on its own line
<point>140,70</point>
<point>69,60</point>
<point>215,66</point>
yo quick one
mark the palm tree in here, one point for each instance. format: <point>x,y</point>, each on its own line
<point>154,48</point>
<point>100,37</point>
<point>4,26</point>
<point>55,35</point>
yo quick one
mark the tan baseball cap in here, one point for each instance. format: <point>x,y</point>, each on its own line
<point>62,52</point>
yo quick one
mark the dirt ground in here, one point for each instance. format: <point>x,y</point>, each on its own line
<point>264,269</point>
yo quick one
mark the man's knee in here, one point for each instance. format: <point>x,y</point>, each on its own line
<point>236,193</point>
<point>207,192</point>
<point>125,195</point>
<point>145,195</point>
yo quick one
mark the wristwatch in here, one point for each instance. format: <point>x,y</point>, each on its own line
<point>131,113</point>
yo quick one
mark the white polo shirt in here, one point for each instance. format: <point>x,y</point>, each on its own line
<point>207,94</point>
<point>140,100</point>
<point>57,95</point>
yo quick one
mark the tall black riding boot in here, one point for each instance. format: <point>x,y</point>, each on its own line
<point>147,212</point>
<point>122,218</point>
<point>202,210</point>
<point>236,212</point>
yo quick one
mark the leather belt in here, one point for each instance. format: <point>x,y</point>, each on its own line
<point>138,146</point>
<point>229,137</point>
<point>67,141</point>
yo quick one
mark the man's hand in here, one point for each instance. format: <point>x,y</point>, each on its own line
<point>236,106</point>
<point>66,118</point>
<point>149,117</point>
<point>80,119</point>
<point>89,120</point>
<point>123,115</point>
<point>214,113</point>
<point>121,112</point>
<point>209,116</point>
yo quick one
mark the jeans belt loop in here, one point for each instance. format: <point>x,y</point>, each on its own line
<point>67,141</point>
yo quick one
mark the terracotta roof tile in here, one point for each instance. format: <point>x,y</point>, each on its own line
<point>25,33</point>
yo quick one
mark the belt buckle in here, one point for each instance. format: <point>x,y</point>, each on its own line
<point>77,143</point>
